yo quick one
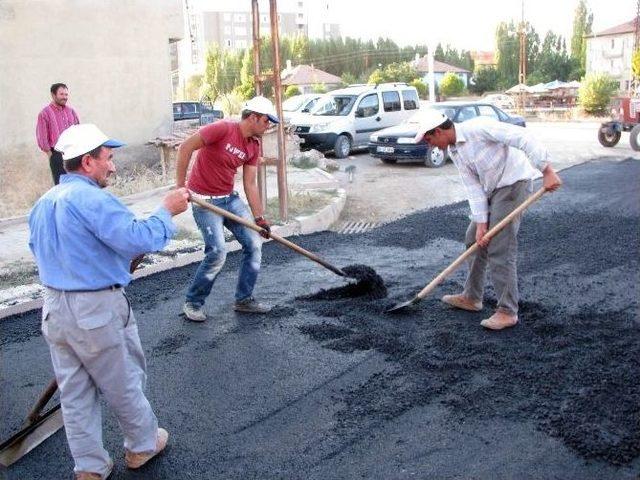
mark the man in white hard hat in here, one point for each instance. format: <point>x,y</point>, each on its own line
<point>222,147</point>
<point>83,239</point>
<point>497,162</point>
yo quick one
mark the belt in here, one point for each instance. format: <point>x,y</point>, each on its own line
<point>115,286</point>
<point>209,197</point>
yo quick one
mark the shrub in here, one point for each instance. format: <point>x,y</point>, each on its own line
<point>451,85</point>
<point>595,92</point>
<point>291,91</point>
<point>420,87</point>
<point>319,88</point>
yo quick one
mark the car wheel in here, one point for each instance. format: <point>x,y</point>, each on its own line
<point>389,160</point>
<point>435,158</point>
<point>342,147</point>
<point>634,138</point>
<point>608,139</point>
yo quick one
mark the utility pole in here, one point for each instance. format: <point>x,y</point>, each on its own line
<point>522,74</point>
<point>257,77</point>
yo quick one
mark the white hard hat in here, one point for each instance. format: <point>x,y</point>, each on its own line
<point>262,105</point>
<point>430,118</point>
<point>80,139</point>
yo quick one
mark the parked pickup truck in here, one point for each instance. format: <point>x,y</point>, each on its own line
<point>201,111</point>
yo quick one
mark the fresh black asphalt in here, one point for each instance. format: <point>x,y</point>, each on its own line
<point>329,386</point>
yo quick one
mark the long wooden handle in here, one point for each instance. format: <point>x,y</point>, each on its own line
<point>274,236</point>
<point>46,395</point>
<point>490,234</point>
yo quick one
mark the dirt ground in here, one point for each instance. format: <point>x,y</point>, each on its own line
<point>330,386</point>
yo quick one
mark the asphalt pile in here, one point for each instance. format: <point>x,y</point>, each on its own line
<point>368,285</point>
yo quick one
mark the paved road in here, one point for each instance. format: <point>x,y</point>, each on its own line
<point>382,192</point>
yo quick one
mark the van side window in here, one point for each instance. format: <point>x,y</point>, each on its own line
<point>410,99</point>
<point>369,105</point>
<point>391,101</point>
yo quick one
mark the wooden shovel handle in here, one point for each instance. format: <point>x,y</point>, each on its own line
<point>490,234</point>
<point>46,395</point>
<point>274,236</point>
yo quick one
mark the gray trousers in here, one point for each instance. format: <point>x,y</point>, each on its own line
<point>95,347</point>
<point>502,253</point>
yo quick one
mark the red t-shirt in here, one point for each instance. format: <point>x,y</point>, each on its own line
<point>225,149</point>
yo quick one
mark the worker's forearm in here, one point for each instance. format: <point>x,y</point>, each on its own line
<point>182,164</point>
<point>253,198</point>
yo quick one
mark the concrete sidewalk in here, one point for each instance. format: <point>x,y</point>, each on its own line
<point>15,254</point>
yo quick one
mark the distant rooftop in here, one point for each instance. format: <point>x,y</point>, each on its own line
<point>628,27</point>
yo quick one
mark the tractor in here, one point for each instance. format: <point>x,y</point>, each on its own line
<point>625,117</point>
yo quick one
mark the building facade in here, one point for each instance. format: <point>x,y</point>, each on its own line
<point>229,24</point>
<point>610,51</point>
<point>117,68</point>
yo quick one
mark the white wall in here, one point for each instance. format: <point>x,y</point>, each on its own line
<point>113,55</point>
<point>611,54</point>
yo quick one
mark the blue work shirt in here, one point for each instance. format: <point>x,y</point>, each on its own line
<point>84,238</point>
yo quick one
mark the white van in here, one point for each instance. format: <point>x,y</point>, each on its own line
<point>344,119</point>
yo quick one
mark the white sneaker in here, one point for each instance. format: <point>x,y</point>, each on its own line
<point>193,313</point>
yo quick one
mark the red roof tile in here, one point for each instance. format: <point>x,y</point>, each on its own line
<point>308,75</point>
<point>628,27</point>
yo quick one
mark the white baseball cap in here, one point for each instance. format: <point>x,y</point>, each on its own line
<point>80,139</point>
<point>262,105</point>
<point>430,118</point>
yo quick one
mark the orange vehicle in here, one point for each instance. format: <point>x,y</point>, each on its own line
<point>625,117</point>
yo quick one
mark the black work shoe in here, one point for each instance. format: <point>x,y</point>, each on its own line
<point>251,305</point>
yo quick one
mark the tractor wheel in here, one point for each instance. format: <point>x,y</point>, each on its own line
<point>608,139</point>
<point>634,138</point>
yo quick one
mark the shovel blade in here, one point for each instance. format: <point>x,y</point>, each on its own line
<point>402,305</point>
<point>30,437</point>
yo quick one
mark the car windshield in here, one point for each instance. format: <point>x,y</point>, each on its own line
<point>448,110</point>
<point>339,105</point>
<point>292,104</point>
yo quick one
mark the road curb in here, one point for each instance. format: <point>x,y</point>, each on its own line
<point>317,222</point>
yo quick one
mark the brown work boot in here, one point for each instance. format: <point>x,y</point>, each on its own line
<point>499,320</point>
<point>462,302</point>
<point>93,475</point>
<point>136,460</point>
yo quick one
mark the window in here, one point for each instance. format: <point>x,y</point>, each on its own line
<point>488,111</point>
<point>466,113</point>
<point>240,18</point>
<point>240,31</point>
<point>241,44</point>
<point>410,99</point>
<point>391,101</point>
<point>369,105</point>
<point>228,42</point>
<point>300,4</point>
<point>613,43</point>
<point>264,19</point>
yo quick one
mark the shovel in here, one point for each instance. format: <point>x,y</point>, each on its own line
<point>277,238</point>
<point>37,428</point>
<point>490,234</point>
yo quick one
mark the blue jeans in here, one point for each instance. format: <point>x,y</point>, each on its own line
<point>215,249</point>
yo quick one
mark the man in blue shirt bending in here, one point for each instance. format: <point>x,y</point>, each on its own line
<point>83,239</point>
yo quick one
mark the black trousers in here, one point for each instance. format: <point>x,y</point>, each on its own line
<point>55,163</point>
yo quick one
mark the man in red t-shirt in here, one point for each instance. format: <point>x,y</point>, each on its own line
<point>223,147</point>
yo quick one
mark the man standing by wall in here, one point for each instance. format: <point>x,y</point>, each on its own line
<point>54,119</point>
<point>222,147</point>
<point>83,239</point>
<point>496,164</point>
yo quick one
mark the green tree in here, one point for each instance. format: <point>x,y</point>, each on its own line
<point>552,62</point>
<point>582,22</point>
<point>193,87</point>
<point>596,91</point>
<point>291,90</point>
<point>394,72</point>
<point>421,87</point>
<point>246,89</point>
<point>635,64</point>
<point>348,78</point>
<point>451,85</point>
<point>485,79</point>
<point>508,51</point>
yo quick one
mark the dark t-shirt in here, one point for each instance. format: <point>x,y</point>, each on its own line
<point>225,149</point>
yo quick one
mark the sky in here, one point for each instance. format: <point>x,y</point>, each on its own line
<point>468,24</point>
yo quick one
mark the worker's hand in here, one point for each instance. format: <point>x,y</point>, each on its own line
<point>176,201</point>
<point>264,225</point>
<point>135,262</point>
<point>550,179</point>
<point>481,230</point>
